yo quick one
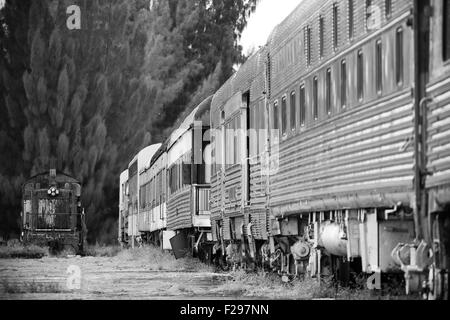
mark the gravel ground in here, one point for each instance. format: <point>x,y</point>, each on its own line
<point>148,273</point>
<point>102,278</point>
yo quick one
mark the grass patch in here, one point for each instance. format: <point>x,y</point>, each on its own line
<point>31,287</point>
<point>102,251</point>
<point>155,259</point>
<point>20,251</point>
<point>269,285</point>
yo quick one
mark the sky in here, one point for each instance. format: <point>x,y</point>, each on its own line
<point>268,14</point>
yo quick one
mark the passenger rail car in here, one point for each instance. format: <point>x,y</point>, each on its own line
<point>137,217</point>
<point>238,203</point>
<point>173,194</point>
<point>154,197</point>
<point>52,214</point>
<point>330,148</point>
<point>345,181</point>
<point>123,208</point>
<point>188,211</point>
<point>355,161</point>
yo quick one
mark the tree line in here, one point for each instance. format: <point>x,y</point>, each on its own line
<point>87,100</point>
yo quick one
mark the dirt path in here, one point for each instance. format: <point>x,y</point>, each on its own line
<point>102,278</point>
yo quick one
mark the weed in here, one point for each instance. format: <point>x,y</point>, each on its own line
<point>102,251</point>
<point>30,287</point>
<point>20,251</point>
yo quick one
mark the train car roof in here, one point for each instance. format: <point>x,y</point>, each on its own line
<point>203,111</point>
<point>124,176</point>
<point>144,156</point>
<point>159,152</point>
<point>200,113</point>
<point>239,83</point>
<point>60,177</point>
<point>293,22</point>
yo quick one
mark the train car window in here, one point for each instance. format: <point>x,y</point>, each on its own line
<point>321,36</point>
<point>293,110</point>
<point>343,84</point>
<point>368,12</point>
<point>275,116</point>
<point>144,197</point>
<point>388,8</point>
<point>158,189</point>
<point>351,23</point>
<point>179,177</point>
<point>284,115</point>
<point>253,128</point>
<point>174,178</point>
<point>237,151</point>
<point>302,106</point>
<point>328,92</point>
<point>399,56</point>
<point>307,42</point>
<point>315,98</point>
<point>151,199</point>
<point>379,66</point>
<point>360,75</point>
<point>335,26</point>
<point>229,148</point>
<point>446,30</point>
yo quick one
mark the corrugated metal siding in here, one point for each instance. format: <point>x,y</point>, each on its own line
<point>226,191</point>
<point>438,134</point>
<point>359,154</point>
<point>215,198</point>
<point>241,81</point>
<point>291,32</point>
<point>438,114</point>
<point>179,210</point>
<point>258,210</point>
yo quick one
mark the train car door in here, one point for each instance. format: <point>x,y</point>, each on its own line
<point>245,147</point>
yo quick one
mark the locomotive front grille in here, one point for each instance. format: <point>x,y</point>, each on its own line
<point>48,214</point>
<point>49,222</point>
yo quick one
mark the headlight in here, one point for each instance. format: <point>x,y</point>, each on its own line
<point>53,191</point>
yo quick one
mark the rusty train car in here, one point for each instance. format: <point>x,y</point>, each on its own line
<point>330,147</point>
<point>173,196</point>
<point>52,214</point>
<point>345,161</point>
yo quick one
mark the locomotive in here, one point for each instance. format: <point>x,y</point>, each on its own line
<point>52,214</point>
<point>330,147</point>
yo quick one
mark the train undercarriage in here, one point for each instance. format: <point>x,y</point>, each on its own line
<point>375,248</point>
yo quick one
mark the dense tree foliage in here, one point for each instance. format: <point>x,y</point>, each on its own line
<point>87,100</point>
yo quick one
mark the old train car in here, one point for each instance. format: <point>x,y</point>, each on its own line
<point>426,260</point>
<point>136,217</point>
<point>153,197</point>
<point>329,149</point>
<point>52,214</point>
<point>345,181</point>
<point>436,104</point>
<point>238,117</point>
<point>188,212</point>
<point>123,208</point>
